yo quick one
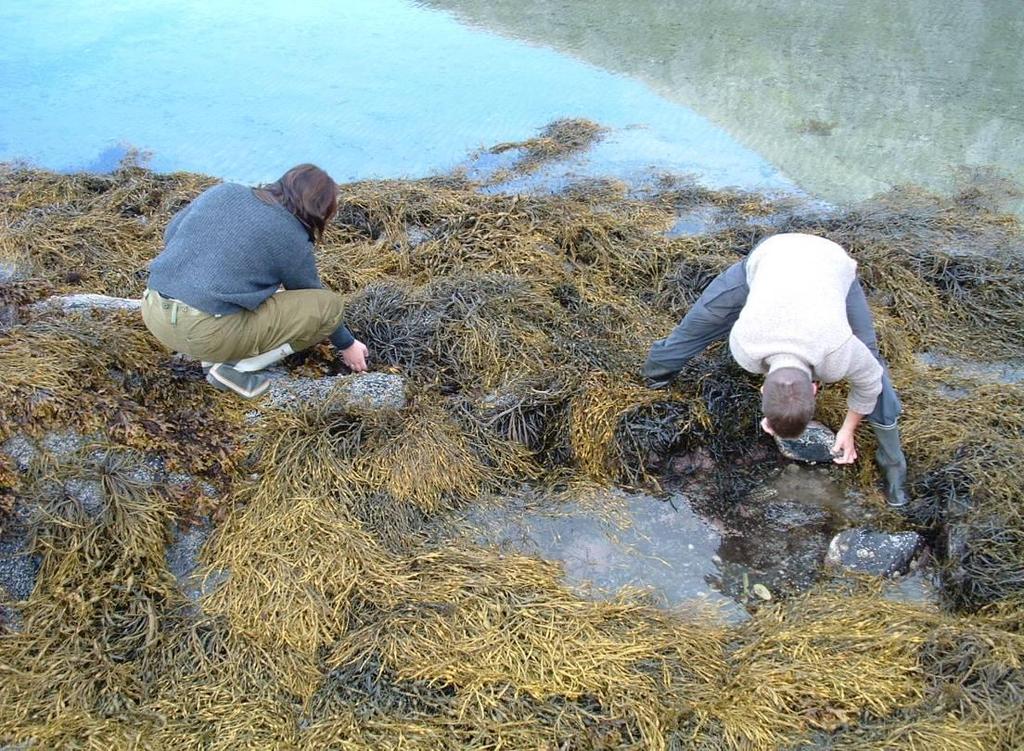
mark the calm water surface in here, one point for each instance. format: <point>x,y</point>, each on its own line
<point>840,99</point>
<point>366,88</point>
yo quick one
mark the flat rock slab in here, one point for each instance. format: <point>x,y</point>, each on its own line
<point>376,391</point>
<point>70,303</point>
<point>876,553</point>
<point>813,446</point>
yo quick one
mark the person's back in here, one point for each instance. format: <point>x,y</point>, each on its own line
<point>797,302</point>
<point>229,251</point>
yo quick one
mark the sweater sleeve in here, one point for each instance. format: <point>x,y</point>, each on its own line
<point>862,371</point>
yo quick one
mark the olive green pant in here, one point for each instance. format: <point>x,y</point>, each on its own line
<point>299,317</point>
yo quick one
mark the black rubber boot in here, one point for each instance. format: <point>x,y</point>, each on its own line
<point>893,464</point>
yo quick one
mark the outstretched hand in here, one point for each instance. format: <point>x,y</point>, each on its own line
<point>354,356</point>
<point>844,450</point>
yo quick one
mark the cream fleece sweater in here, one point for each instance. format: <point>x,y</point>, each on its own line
<point>795,317</point>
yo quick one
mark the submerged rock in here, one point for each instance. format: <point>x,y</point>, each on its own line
<point>877,553</point>
<point>814,445</point>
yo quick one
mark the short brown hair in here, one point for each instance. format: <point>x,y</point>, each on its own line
<point>787,400</point>
<point>307,192</point>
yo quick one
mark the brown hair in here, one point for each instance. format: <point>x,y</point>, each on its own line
<point>307,192</point>
<point>787,400</point>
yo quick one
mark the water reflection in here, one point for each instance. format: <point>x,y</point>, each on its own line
<point>848,97</point>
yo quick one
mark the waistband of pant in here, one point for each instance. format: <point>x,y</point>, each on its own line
<point>178,303</point>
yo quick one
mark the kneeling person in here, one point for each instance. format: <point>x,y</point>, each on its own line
<point>236,285</point>
<point>794,311</point>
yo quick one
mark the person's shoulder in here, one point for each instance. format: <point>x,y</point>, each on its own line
<point>220,194</point>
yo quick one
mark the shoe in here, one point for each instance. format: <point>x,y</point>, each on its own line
<point>893,464</point>
<point>223,376</point>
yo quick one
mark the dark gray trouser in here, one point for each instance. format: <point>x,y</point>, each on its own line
<point>712,316</point>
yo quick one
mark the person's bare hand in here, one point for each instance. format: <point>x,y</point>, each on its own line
<point>354,356</point>
<point>844,449</point>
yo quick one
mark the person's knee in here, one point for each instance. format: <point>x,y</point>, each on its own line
<point>330,306</point>
<point>320,312</point>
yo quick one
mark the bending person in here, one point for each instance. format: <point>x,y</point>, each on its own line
<point>236,285</point>
<point>794,311</point>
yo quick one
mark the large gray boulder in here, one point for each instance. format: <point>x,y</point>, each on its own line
<point>876,553</point>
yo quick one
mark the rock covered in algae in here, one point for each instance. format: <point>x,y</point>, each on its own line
<point>814,445</point>
<point>876,553</point>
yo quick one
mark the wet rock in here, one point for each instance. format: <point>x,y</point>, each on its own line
<point>21,450</point>
<point>417,235</point>
<point>997,371</point>
<point>813,446</point>
<point>85,301</point>
<point>88,493</point>
<point>10,272</point>
<point>8,317</point>
<point>18,567</point>
<point>378,391</point>
<point>876,553</point>
<point>63,444</point>
<point>183,560</point>
<point>10,620</point>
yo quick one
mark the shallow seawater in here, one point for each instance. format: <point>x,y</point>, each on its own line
<point>613,540</point>
<point>365,88</point>
<point>688,547</point>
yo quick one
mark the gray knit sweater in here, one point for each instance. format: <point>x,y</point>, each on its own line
<point>228,251</point>
<point>795,316</point>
